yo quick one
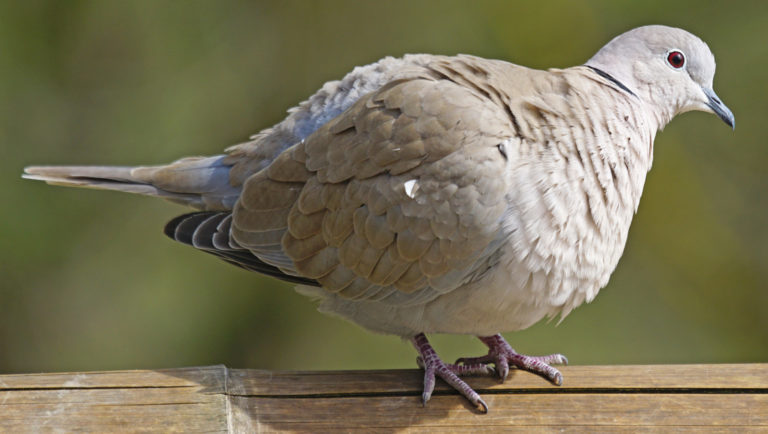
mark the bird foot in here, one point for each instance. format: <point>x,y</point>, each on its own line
<point>434,367</point>
<point>502,355</point>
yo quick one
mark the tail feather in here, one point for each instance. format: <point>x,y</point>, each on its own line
<point>99,177</point>
<point>200,230</point>
<point>201,183</point>
<point>64,173</point>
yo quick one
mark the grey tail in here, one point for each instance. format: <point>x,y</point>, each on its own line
<point>200,182</point>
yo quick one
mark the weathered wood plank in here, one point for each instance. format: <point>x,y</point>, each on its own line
<point>537,410</point>
<point>735,376</point>
<point>177,400</point>
<point>681,398</point>
<point>206,377</point>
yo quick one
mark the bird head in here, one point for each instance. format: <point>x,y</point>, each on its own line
<point>669,68</point>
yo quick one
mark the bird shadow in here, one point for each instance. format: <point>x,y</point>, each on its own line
<point>381,401</point>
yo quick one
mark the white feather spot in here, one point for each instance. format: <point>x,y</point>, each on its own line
<point>411,187</point>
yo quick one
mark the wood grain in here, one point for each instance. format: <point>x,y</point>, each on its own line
<point>686,398</point>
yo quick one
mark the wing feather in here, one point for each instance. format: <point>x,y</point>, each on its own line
<point>340,197</point>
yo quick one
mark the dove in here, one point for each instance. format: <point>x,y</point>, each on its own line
<point>433,194</point>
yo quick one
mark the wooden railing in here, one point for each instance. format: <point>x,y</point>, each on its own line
<point>217,399</point>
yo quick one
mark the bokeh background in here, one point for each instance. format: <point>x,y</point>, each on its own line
<point>88,281</point>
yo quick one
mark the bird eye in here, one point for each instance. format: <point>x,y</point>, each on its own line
<point>676,59</point>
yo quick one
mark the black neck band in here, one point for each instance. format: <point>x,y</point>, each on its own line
<point>610,78</point>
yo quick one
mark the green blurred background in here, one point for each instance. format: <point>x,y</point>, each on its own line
<point>88,281</point>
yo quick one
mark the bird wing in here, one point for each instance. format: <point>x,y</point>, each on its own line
<point>400,197</point>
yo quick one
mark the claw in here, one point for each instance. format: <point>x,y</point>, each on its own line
<point>481,406</point>
<point>502,355</point>
<point>499,353</point>
<point>503,367</point>
<point>429,382</point>
<point>552,359</point>
<point>434,367</point>
<point>558,380</point>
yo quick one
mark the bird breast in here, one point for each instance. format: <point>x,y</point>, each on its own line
<point>573,192</point>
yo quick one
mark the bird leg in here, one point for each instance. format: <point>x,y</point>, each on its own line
<point>501,355</point>
<point>434,367</point>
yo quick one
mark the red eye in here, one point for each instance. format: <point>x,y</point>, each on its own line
<point>676,59</point>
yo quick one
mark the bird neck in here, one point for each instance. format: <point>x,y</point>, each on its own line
<point>622,126</point>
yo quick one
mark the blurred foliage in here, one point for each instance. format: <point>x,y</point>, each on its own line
<point>88,281</point>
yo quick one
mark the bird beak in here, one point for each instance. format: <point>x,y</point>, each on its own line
<point>719,108</point>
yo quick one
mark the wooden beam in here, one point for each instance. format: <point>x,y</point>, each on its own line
<point>218,399</point>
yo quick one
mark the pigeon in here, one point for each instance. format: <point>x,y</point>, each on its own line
<point>434,194</point>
